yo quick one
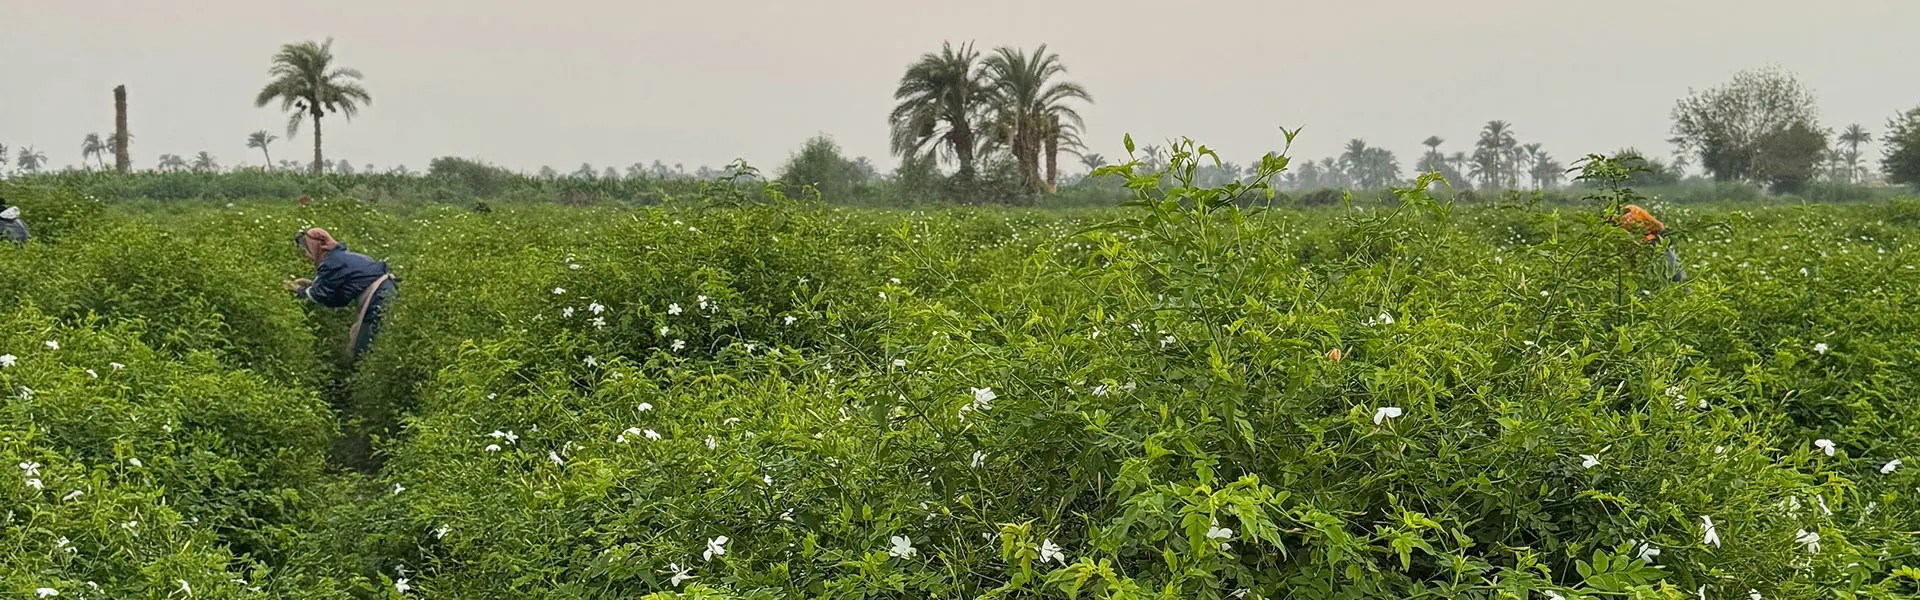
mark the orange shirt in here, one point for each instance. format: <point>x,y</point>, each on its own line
<point>1639,221</point>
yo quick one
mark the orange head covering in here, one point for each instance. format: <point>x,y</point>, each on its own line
<point>1637,220</point>
<point>315,243</point>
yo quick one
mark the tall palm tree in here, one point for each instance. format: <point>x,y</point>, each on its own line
<point>172,162</point>
<point>307,83</point>
<point>203,162</point>
<point>941,98</point>
<point>1853,137</point>
<point>1502,153</point>
<point>1092,161</point>
<point>1354,160</point>
<point>91,146</point>
<point>1530,157</point>
<point>1458,160</point>
<point>1433,143</point>
<point>30,160</point>
<point>261,139</point>
<point>1030,110</point>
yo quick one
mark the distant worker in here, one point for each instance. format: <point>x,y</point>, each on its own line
<point>1639,222</point>
<point>343,277</point>
<point>12,228</point>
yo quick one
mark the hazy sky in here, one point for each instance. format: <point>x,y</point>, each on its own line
<point>526,84</point>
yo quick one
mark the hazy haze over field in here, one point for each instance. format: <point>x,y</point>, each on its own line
<point>527,84</point>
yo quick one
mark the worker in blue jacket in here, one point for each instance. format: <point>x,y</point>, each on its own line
<point>343,277</point>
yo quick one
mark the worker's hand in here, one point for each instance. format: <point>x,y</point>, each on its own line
<point>297,285</point>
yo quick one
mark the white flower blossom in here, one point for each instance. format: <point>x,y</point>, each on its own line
<point>591,361</point>
<point>1386,319</point>
<point>710,443</point>
<point>899,362</point>
<point>46,592</point>
<point>184,587</point>
<point>1809,539</point>
<point>507,435</point>
<point>1820,347</point>
<point>566,313</point>
<point>596,308</point>
<point>559,291</point>
<point>1890,466</point>
<point>715,547</point>
<point>1588,461</point>
<point>1645,551</point>
<point>766,479</point>
<point>555,457</point>
<point>1386,412</point>
<point>397,488</point>
<point>679,575</point>
<point>789,319</point>
<point>1712,535</point>
<point>92,374</point>
<point>71,496</point>
<point>902,547</point>
<point>646,406</point>
<point>135,462</point>
<point>983,398</point>
<point>1753,594</point>
<point>1167,341</point>
<point>493,447</point>
<point>32,469</point>
<point>679,345</point>
<point>651,434</point>
<point>1553,595</point>
<point>673,309</point>
<point>440,533</point>
<point>401,586</point>
<point>8,360</point>
<point>1051,553</point>
<point>978,458</point>
<point>53,345</point>
<point>1825,445</point>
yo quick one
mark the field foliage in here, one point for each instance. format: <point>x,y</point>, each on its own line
<point>1205,393</point>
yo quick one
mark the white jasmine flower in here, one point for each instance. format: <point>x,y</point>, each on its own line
<point>566,313</point>
<point>591,361</point>
<point>555,457</point>
<point>440,533</point>
<point>493,447</point>
<point>135,462</point>
<point>715,547</point>
<point>8,360</point>
<point>397,488</point>
<point>1820,347</point>
<point>898,362</point>
<point>1825,445</point>
<point>679,575</point>
<point>983,398</point>
<point>71,495</point>
<point>710,443</point>
<point>1588,461</point>
<point>31,468</point>
<point>1645,551</point>
<point>1386,412</point>
<point>1051,553</point>
<point>401,586</point>
<point>1890,466</point>
<point>1809,539</point>
<point>1712,535</point>
<point>35,484</point>
<point>679,345</point>
<point>902,547</point>
<point>651,434</point>
<point>978,458</point>
<point>789,319</point>
<point>646,406</point>
<point>46,592</point>
<point>53,345</point>
<point>559,291</point>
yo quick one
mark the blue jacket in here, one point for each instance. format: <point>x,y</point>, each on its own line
<point>343,276</point>
<point>13,230</point>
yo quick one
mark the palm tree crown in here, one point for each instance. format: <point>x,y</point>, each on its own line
<point>308,84</point>
<point>940,99</point>
<point>261,139</point>
<point>1030,110</point>
<point>93,147</point>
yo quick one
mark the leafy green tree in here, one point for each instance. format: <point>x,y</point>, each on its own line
<point>819,163</point>
<point>1031,114</point>
<point>93,147</point>
<point>1788,158</point>
<point>610,174</point>
<point>1900,159</point>
<point>548,173</point>
<point>1732,127</point>
<point>204,163</point>
<point>308,84</point>
<point>1854,136</point>
<point>30,160</point>
<point>584,172</point>
<point>941,100</point>
<point>261,139</point>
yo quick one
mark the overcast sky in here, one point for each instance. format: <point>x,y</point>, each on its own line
<point>527,84</point>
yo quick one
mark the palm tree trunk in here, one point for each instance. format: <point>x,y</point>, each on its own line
<point>317,160</point>
<point>269,155</point>
<point>1053,162</point>
<point>963,148</point>
<point>121,161</point>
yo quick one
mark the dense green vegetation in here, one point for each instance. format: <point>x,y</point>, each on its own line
<point>747,392</point>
